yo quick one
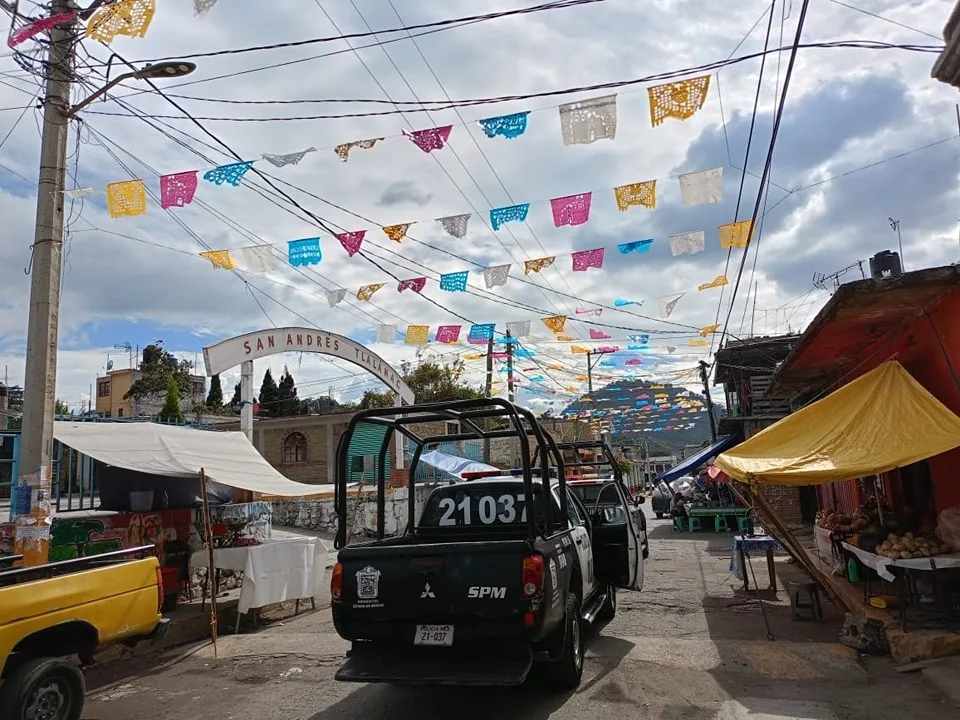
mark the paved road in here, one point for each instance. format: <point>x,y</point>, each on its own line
<point>688,647</point>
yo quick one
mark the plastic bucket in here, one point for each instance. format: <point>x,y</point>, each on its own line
<point>141,500</point>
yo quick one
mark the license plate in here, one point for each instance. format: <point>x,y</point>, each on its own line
<point>437,635</point>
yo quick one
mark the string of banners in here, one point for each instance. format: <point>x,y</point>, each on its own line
<point>483,334</point>
<point>128,198</point>
<point>581,123</point>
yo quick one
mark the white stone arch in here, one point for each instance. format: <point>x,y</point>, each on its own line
<point>243,349</point>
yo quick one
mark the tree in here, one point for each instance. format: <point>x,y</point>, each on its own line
<point>157,367</point>
<point>288,403</point>
<point>269,395</point>
<point>61,408</point>
<point>215,396</point>
<point>170,412</point>
<point>433,382</point>
<point>236,400</point>
<point>430,382</point>
<point>373,399</point>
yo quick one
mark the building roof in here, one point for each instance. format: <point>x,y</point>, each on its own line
<point>844,334</point>
<point>947,67</point>
<point>761,353</point>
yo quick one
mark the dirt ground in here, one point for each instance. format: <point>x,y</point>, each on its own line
<point>690,646</point>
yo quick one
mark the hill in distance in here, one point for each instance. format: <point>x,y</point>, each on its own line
<point>667,415</point>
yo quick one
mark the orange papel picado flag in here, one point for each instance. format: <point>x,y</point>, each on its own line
<point>718,281</point>
<point>678,100</point>
<point>220,259</point>
<point>557,324</point>
<point>127,198</point>
<point>735,235</point>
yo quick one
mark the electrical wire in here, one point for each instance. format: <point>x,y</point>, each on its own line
<point>769,161</point>
<point>437,105</point>
<point>746,159</point>
<point>531,10</point>
<point>431,271</point>
<point>886,19</point>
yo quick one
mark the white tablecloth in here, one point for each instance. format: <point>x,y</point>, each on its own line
<point>282,569</point>
<point>882,564</point>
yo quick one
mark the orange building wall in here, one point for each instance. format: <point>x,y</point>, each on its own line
<point>920,353</point>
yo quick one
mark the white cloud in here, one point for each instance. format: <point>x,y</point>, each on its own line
<point>846,109</point>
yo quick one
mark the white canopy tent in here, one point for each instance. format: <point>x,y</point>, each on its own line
<point>227,458</point>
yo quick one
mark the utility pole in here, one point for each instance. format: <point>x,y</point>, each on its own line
<point>509,367</point>
<point>488,391</point>
<point>895,225</point>
<point>590,364</point>
<point>32,539</point>
<point>706,392</point>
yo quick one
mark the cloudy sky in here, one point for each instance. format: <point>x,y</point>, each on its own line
<point>866,135</point>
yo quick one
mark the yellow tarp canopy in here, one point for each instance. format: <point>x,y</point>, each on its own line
<point>880,421</point>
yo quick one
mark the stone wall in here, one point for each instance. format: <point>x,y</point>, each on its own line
<point>319,514</point>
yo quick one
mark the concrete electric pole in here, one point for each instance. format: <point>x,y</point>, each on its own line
<point>32,498</point>
<point>32,539</point>
<point>708,400</point>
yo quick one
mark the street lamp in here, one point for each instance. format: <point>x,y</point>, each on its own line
<point>34,486</point>
<point>172,69</point>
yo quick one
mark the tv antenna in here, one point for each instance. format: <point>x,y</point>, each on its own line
<point>129,348</point>
<point>820,280</point>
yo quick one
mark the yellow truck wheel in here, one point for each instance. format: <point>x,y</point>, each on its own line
<point>43,689</point>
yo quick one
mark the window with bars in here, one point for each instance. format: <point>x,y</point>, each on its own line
<point>295,448</point>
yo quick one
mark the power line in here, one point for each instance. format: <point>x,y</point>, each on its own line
<point>555,5</point>
<point>769,161</point>
<point>437,105</point>
<point>431,271</point>
<point>886,19</point>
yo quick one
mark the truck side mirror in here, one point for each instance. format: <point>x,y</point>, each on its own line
<point>641,499</point>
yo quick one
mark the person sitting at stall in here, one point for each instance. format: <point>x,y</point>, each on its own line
<point>678,507</point>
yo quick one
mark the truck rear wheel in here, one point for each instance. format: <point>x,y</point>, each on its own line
<point>565,673</point>
<point>47,688</point>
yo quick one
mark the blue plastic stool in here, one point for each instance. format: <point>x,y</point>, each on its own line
<point>743,524</point>
<point>678,524</point>
<point>693,524</point>
<point>720,523</point>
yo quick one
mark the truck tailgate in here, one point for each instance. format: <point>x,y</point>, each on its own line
<point>392,593</point>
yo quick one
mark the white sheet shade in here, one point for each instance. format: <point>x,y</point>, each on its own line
<point>226,457</point>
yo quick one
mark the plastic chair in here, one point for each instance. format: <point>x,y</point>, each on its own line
<point>678,524</point>
<point>720,523</point>
<point>693,524</point>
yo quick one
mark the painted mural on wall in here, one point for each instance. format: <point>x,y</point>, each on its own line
<point>72,538</point>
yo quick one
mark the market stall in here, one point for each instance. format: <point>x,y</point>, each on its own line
<point>881,421</point>
<point>149,464</point>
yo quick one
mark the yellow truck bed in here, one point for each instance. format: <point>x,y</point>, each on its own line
<point>116,601</point>
<point>51,612</point>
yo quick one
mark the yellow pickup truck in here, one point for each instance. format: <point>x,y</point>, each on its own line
<point>50,613</point>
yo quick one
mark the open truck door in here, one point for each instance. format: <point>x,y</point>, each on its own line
<point>618,555</point>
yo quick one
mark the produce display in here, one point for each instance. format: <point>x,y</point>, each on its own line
<point>840,524</point>
<point>907,547</point>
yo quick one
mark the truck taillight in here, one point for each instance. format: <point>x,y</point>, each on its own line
<point>336,582</point>
<point>533,571</point>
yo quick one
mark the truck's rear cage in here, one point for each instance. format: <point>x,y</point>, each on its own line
<point>470,416</point>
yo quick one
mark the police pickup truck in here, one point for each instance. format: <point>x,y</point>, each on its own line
<point>497,573</point>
